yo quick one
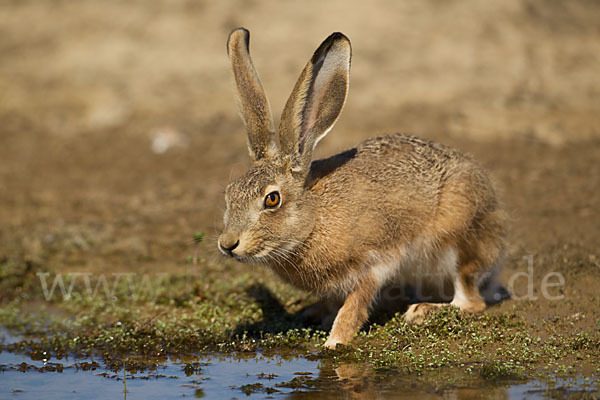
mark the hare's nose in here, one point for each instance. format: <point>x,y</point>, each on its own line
<point>228,243</point>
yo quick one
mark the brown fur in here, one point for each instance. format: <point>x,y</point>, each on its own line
<point>346,220</point>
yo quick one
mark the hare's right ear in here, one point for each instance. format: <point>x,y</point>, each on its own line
<point>316,101</point>
<point>252,103</point>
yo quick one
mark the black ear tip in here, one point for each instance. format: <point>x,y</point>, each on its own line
<point>338,36</point>
<point>241,30</point>
<point>328,43</point>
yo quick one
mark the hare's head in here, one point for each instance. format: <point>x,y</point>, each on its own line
<point>269,210</point>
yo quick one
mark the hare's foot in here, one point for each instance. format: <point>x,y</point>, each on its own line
<point>466,293</point>
<point>332,342</point>
<point>353,313</point>
<point>466,298</point>
<point>416,313</point>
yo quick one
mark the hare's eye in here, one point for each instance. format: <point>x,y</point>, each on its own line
<point>272,200</point>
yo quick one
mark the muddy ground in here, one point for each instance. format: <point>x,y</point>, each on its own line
<point>88,90</point>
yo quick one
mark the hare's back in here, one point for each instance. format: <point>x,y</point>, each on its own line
<point>399,163</point>
<point>397,182</point>
<point>406,159</point>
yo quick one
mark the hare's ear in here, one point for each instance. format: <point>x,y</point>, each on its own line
<point>316,101</point>
<point>253,105</point>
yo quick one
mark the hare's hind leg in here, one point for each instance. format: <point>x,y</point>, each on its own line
<point>466,297</point>
<point>478,251</point>
<point>466,290</point>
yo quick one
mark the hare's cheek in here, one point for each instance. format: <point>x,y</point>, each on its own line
<point>272,221</point>
<point>254,217</point>
<point>292,219</point>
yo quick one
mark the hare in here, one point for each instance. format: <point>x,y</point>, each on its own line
<point>393,209</point>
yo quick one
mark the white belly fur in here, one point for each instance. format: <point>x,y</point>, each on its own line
<point>418,267</point>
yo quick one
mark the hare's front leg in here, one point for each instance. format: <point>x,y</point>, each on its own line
<point>353,313</point>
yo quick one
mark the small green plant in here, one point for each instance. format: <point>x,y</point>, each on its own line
<point>497,370</point>
<point>198,237</point>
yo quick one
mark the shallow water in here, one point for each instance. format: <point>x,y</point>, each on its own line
<point>245,376</point>
<point>217,377</point>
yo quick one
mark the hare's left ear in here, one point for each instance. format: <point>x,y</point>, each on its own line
<point>252,102</point>
<point>316,101</point>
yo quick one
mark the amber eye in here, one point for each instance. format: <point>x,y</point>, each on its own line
<point>272,200</point>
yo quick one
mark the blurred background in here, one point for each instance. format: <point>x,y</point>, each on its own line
<point>118,130</point>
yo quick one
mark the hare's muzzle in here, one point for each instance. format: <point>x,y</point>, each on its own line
<point>228,242</point>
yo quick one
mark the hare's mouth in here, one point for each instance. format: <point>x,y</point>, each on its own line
<point>244,249</point>
<point>266,253</point>
<point>261,255</point>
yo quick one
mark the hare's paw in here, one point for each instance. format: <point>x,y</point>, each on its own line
<point>332,343</point>
<point>416,313</point>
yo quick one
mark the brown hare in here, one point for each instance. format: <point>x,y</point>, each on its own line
<point>393,209</point>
